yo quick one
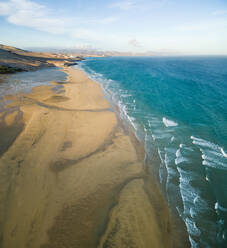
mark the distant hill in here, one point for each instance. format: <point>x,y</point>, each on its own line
<point>82,52</point>
<point>13,59</point>
<point>99,53</point>
<point>12,49</point>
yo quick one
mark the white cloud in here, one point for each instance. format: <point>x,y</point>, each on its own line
<point>124,5</point>
<point>12,6</point>
<point>79,30</point>
<point>138,4</point>
<point>30,14</point>
<point>5,9</point>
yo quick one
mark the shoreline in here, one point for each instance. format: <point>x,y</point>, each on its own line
<point>89,192</point>
<point>179,235</point>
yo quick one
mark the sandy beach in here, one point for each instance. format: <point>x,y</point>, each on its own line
<point>72,176</point>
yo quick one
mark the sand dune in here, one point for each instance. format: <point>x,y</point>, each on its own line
<point>13,59</point>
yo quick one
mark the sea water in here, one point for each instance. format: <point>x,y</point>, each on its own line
<point>178,109</point>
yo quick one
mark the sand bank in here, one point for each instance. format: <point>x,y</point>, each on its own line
<point>73,177</point>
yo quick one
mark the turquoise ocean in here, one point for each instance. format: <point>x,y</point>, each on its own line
<point>177,107</point>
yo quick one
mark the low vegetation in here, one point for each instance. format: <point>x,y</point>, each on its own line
<point>7,69</point>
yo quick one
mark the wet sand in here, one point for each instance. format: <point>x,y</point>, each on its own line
<point>72,176</point>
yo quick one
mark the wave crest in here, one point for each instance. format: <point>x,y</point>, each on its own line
<point>169,123</point>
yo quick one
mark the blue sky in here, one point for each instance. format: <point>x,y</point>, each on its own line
<point>174,26</point>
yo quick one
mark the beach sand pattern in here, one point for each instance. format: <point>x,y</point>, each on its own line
<point>72,177</point>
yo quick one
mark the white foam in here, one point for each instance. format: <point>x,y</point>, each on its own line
<point>192,228</point>
<point>160,155</point>
<point>149,123</point>
<point>178,153</point>
<point>186,148</point>
<point>212,158</point>
<point>167,159</point>
<point>160,135</point>
<point>214,164</point>
<point>213,153</point>
<point>223,152</point>
<point>217,206</point>
<point>132,121</point>
<point>126,95</point>
<point>180,160</point>
<point>193,243</point>
<point>196,199</point>
<point>179,157</point>
<point>223,236</point>
<point>192,213</point>
<point>204,143</point>
<point>169,123</point>
<point>200,203</point>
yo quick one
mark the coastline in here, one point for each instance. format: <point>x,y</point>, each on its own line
<point>86,187</point>
<point>152,186</point>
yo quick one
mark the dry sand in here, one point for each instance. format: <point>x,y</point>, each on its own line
<point>73,177</point>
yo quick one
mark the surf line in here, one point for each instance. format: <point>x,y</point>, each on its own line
<point>223,152</point>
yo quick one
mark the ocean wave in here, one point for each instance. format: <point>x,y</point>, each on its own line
<point>161,156</point>
<point>179,157</point>
<point>223,152</point>
<point>200,204</point>
<point>213,159</point>
<point>154,124</point>
<point>193,243</point>
<point>160,135</point>
<point>192,228</point>
<point>172,138</point>
<point>212,154</point>
<point>193,212</point>
<point>216,165</point>
<point>169,123</point>
<point>178,153</point>
<point>181,163</point>
<point>132,122</point>
<point>168,160</point>
<point>188,193</point>
<point>186,148</point>
<point>149,123</point>
<point>180,160</point>
<point>204,143</point>
<point>217,206</point>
